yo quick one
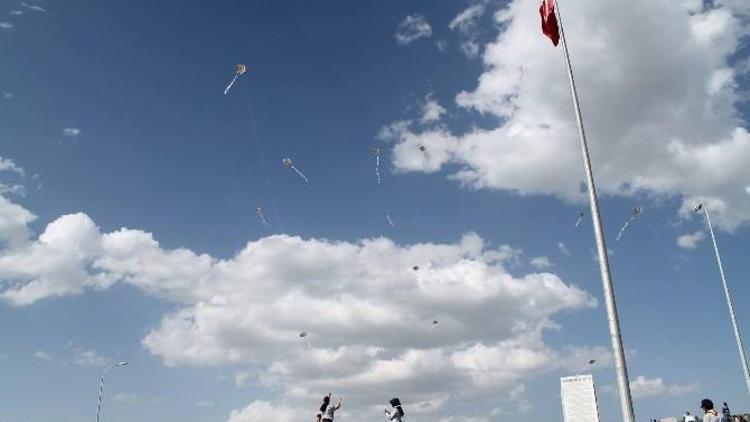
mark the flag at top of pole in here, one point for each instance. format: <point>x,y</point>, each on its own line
<point>549,21</point>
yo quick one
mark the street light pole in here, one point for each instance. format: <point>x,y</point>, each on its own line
<point>101,386</point>
<point>735,326</point>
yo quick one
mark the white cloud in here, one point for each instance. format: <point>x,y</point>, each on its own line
<point>16,12</point>
<point>690,240</point>
<point>13,189</point>
<point>563,249</point>
<point>677,130</point>
<point>372,311</point>
<point>41,355</point>
<point>541,262</point>
<point>6,26</point>
<point>34,7</point>
<point>9,165</point>
<point>135,398</point>
<point>431,110</point>
<point>89,358</point>
<point>71,132</point>
<point>467,20</point>
<point>645,387</point>
<point>412,28</point>
<point>261,410</point>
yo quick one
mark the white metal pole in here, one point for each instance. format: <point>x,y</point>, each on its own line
<point>735,326</point>
<point>626,402</point>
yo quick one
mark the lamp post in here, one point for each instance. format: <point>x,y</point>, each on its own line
<point>735,326</point>
<point>101,386</point>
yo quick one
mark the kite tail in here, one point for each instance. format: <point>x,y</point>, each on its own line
<point>377,167</point>
<point>390,221</point>
<point>622,230</point>
<point>300,174</point>
<point>230,84</point>
<point>578,222</point>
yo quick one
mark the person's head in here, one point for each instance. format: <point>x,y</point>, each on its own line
<point>725,404</point>
<point>687,413</point>
<point>707,405</point>
<point>395,402</point>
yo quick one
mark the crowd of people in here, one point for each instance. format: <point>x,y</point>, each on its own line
<point>327,410</point>
<point>710,414</point>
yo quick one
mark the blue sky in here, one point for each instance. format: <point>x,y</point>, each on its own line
<point>155,153</point>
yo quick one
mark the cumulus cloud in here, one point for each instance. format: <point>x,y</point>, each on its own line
<point>432,111</point>
<point>6,26</point>
<point>541,262</point>
<point>412,28</point>
<point>370,311</point>
<point>690,240</point>
<point>467,24</point>
<point>34,7</point>
<point>563,248</point>
<point>42,355</point>
<point>671,125</point>
<point>10,166</point>
<point>135,398</point>
<point>71,132</point>
<point>650,387</point>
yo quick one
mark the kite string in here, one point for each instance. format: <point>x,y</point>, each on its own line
<point>259,150</point>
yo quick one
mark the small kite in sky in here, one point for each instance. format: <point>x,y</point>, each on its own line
<point>415,268</point>
<point>288,162</point>
<point>389,219</point>
<point>580,218</point>
<point>434,324</point>
<point>238,70</point>
<point>635,213</point>
<point>698,207</point>
<point>422,148</point>
<point>376,152</point>
<point>262,217</point>
<point>305,336</point>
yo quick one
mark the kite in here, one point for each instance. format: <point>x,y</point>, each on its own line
<point>434,324</point>
<point>306,337</point>
<point>698,208</point>
<point>579,219</point>
<point>635,213</point>
<point>376,152</point>
<point>238,70</point>
<point>415,268</point>
<point>288,162</point>
<point>262,217</point>
<point>422,148</point>
<point>389,219</point>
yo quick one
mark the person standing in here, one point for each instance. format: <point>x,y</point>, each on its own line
<point>726,415</point>
<point>397,413</point>
<point>710,414</point>
<point>327,409</point>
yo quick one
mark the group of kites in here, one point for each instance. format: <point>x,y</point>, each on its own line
<point>241,69</point>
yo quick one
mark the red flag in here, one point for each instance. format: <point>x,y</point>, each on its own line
<point>549,21</point>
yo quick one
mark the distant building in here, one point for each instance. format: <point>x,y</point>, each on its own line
<point>579,399</point>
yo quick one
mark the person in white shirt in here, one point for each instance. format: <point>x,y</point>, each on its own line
<point>711,415</point>
<point>397,413</point>
<point>689,418</point>
<point>327,409</point>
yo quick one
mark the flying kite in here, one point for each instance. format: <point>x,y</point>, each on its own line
<point>415,268</point>
<point>238,70</point>
<point>698,208</point>
<point>376,152</point>
<point>389,219</point>
<point>580,218</point>
<point>306,337</point>
<point>262,217</point>
<point>434,324</point>
<point>288,162</point>
<point>422,148</point>
<point>635,213</point>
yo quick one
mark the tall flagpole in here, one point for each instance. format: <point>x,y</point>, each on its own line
<point>737,335</point>
<point>626,402</point>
